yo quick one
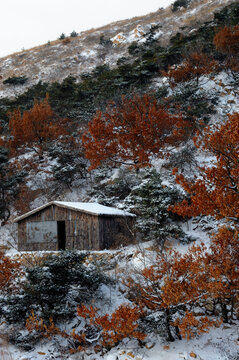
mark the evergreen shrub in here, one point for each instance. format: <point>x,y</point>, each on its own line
<point>180,3</point>
<point>73,34</point>
<point>62,36</point>
<point>15,80</point>
<point>150,200</point>
<point>54,288</point>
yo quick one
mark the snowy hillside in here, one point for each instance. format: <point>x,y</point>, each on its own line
<point>57,60</point>
<point>141,116</point>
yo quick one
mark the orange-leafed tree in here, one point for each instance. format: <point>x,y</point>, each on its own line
<point>10,272</point>
<point>216,192</point>
<point>175,285</point>
<point>226,41</point>
<point>109,330</point>
<point>46,330</point>
<point>219,265</point>
<point>172,286</point>
<point>190,325</point>
<point>192,68</point>
<point>34,128</point>
<point>222,268</point>
<point>130,132</point>
<point>121,324</point>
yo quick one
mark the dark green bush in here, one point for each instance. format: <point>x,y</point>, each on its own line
<point>16,80</point>
<point>180,3</point>
<point>229,15</point>
<point>73,34</point>
<point>9,184</point>
<point>197,104</point>
<point>150,200</point>
<point>122,60</point>
<point>110,193</point>
<point>68,164</point>
<point>183,159</point>
<point>54,288</point>
<point>134,48</point>
<point>62,36</point>
<point>105,42</point>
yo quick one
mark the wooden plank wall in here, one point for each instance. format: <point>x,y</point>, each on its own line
<point>116,231</point>
<point>23,245</point>
<point>82,230</point>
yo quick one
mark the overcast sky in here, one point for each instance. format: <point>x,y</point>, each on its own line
<point>28,23</point>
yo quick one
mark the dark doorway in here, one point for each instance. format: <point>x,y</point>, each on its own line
<point>61,235</point>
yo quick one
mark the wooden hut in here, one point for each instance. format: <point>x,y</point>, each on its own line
<point>60,225</point>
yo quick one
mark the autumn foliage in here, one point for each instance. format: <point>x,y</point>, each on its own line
<point>222,268</point>
<point>190,325</point>
<point>131,132</point>
<point>50,330</point>
<point>34,128</point>
<point>10,271</point>
<point>192,68</point>
<point>169,285</point>
<point>120,325</point>
<point>226,41</point>
<point>175,285</point>
<point>110,329</point>
<point>216,192</point>
<point>32,323</point>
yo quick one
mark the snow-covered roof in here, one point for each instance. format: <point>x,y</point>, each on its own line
<point>90,208</point>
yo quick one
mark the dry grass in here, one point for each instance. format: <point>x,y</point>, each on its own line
<point>58,59</point>
<point>4,248</point>
<point>34,258</point>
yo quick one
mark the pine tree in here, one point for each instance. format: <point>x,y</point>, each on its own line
<point>111,189</point>
<point>69,162</point>
<point>62,36</point>
<point>54,287</point>
<point>73,34</point>
<point>150,201</point>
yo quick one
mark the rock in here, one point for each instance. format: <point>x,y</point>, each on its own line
<point>149,346</point>
<point>27,347</point>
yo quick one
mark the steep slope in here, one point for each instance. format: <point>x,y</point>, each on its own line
<point>56,172</point>
<point>59,59</point>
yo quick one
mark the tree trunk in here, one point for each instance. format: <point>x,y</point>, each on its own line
<point>232,309</point>
<point>178,333</point>
<point>167,320</point>
<point>224,312</point>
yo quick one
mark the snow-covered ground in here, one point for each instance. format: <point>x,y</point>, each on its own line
<point>220,343</point>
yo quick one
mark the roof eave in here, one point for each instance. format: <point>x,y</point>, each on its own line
<point>32,212</point>
<point>29,213</point>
